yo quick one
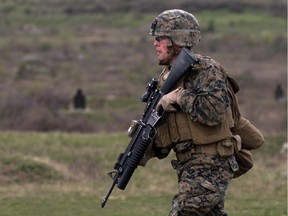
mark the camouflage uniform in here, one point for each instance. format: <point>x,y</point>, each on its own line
<point>199,132</point>
<point>206,98</point>
<point>203,178</point>
<point>203,181</point>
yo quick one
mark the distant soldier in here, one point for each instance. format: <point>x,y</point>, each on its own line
<point>79,100</point>
<point>279,92</point>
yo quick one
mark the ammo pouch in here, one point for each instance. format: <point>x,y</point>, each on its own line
<point>229,146</point>
<point>226,147</point>
<point>245,162</point>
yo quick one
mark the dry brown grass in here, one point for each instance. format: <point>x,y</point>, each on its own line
<point>45,59</point>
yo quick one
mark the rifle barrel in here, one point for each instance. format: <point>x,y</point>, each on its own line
<point>105,199</point>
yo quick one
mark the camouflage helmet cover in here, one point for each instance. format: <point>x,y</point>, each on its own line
<point>180,26</point>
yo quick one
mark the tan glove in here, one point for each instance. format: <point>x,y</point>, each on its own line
<point>168,101</point>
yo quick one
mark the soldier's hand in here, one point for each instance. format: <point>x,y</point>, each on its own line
<point>170,101</point>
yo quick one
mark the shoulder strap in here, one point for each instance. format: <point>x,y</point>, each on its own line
<point>233,88</point>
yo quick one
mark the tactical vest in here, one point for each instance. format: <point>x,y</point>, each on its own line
<point>178,126</point>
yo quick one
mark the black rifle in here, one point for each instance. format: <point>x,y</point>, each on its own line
<point>129,160</point>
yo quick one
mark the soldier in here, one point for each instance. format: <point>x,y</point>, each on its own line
<point>198,123</point>
<point>279,93</point>
<point>79,100</point>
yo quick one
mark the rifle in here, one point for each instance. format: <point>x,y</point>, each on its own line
<point>144,134</point>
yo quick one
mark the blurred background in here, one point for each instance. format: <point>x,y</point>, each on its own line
<point>71,75</point>
<point>52,49</point>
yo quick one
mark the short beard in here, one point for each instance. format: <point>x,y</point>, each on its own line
<point>164,62</point>
<point>167,61</point>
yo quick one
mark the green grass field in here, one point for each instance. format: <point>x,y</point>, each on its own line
<point>48,51</point>
<point>64,174</point>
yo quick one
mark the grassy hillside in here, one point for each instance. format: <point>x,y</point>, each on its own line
<point>61,174</point>
<point>50,49</point>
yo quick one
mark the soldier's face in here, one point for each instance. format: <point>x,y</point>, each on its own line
<point>162,50</point>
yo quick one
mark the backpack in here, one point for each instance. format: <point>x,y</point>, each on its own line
<point>243,156</point>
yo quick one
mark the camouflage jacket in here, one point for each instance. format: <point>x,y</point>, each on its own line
<point>205,96</point>
<point>205,99</point>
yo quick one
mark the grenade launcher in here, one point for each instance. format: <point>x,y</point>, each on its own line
<point>144,134</point>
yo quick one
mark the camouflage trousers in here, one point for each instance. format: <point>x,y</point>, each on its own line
<point>202,182</point>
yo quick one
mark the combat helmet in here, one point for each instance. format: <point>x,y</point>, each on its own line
<point>180,26</point>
